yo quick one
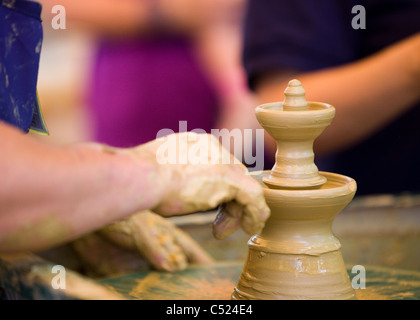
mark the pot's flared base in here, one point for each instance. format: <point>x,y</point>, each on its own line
<point>276,276</point>
<point>297,256</point>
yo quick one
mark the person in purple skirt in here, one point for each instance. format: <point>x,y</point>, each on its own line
<point>159,62</point>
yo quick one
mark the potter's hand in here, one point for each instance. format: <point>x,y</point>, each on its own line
<point>199,174</point>
<point>98,257</point>
<point>164,245</point>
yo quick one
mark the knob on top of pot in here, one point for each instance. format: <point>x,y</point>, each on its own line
<point>294,97</point>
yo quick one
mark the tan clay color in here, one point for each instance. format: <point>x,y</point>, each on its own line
<point>297,256</point>
<point>295,130</point>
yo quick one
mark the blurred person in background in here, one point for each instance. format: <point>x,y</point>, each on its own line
<point>158,62</point>
<point>371,76</point>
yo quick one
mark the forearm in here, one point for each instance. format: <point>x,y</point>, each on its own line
<point>110,17</point>
<point>49,195</point>
<point>367,94</point>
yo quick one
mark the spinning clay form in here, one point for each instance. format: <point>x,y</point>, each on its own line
<point>297,256</point>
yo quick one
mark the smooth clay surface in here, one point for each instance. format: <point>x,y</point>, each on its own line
<point>294,129</point>
<point>297,256</point>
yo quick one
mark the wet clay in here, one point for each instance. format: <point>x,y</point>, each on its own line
<point>138,243</point>
<point>297,256</point>
<point>192,289</point>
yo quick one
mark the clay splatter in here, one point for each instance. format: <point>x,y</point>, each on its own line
<point>181,288</point>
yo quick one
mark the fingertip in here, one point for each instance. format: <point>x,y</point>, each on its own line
<point>254,218</point>
<point>224,225</point>
<point>265,213</point>
<point>222,231</point>
<point>218,234</point>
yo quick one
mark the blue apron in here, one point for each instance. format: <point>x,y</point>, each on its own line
<point>20,48</point>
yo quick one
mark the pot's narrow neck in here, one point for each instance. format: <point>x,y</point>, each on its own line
<point>291,236</point>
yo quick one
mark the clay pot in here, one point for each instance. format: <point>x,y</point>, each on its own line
<point>297,255</point>
<point>295,132</point>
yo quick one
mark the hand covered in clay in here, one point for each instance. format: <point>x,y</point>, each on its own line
<point>199,174</point>
<point>164,245</point>
<point>124,245</point>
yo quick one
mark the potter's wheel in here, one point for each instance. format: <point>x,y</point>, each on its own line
<point>215,282</point>
<point>30,278</point>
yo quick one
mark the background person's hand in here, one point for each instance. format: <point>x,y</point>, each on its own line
<point>199,174</point>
